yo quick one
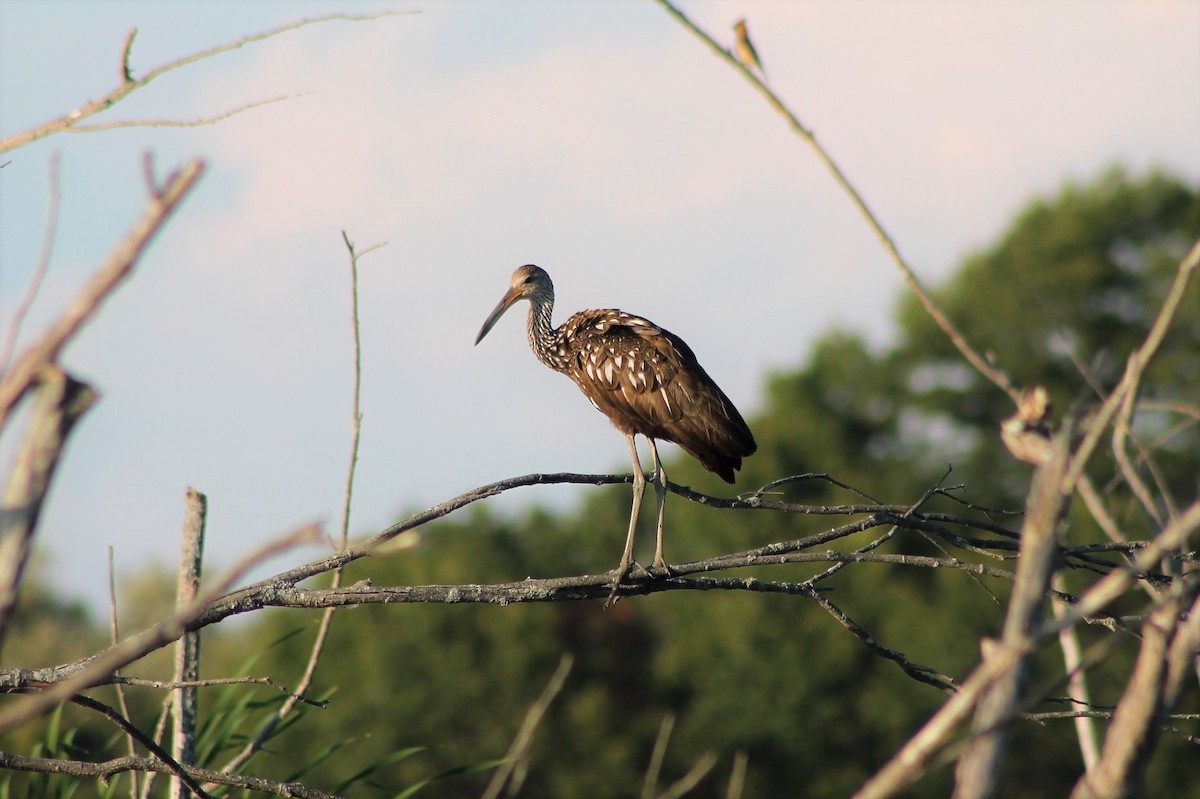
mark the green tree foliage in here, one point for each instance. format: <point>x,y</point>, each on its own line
<point>1061,301</point>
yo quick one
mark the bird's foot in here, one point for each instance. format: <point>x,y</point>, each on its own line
<point>612,596</point>
<point>635,566</point>
<point>660,568</point>
<point>619,574</point>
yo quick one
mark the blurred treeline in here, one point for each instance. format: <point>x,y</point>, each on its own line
<point>1059,300</point>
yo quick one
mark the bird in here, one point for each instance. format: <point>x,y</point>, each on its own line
<point>645,379</point>
<point>745,48</point>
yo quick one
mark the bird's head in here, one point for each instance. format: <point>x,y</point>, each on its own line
<point>528,282</point>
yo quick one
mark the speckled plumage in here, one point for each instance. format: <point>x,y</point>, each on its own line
<point>645,379</point>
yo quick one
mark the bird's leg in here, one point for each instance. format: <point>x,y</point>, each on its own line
<point>660,493</point>
<point>639,485</point>
<point>627,558</point>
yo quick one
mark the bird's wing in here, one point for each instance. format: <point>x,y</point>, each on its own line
<point>626,367</point>
<point>633,369</point>
<point>646,380</point>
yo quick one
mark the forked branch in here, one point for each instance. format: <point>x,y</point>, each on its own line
<point>164,199</point>
<point>129,84</point>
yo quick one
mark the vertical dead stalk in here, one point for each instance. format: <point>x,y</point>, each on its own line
<point>998,705</point>
<point>1169,642</point>
<point>310,668</point>
<point>1077,687</point>
<point>114,631</point>
<point>512,771</point>
<point>61,401</point>
<point>187,649</point>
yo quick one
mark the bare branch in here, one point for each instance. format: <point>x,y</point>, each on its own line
<point>281,591</point>
<point>310,668</point>
<point>137,735</point>
<point>1122,433</point>
<point>170,685</point>
<point>982,365</point>
<point>915,756</point>
<point>115,269</point>
<point>62,401</point>
<point>514,764</point>
<point>978,766</point>
<point>129,84</point>
<point>795,478</point>
<point>126,50</point>
<point>43,266</point>
<point>1076,684</point>
<point>919,673</point>
<point>878,542</point>
<point>1138,361</point>
<point>107,769</point>
<point>1135,724</point>
<point>182,123</point>
<point>99,668</point>
<point>690,780</point>
<point>185,708</point>
<point>114,637</point>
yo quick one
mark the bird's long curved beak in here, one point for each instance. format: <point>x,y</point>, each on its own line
<point>506,302</point>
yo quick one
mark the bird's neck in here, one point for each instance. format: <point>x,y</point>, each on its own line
<point>543,338</point>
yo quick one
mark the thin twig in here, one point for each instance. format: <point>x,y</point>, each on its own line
<point>43,266</point>
<point>657,755</point>
<point>979,765</point>
<point>281,591</point>
<point>1121,435</point>
<point>919,673</point>
<point>118,266</point>
<point>1077,687</point>
<point>129,84</point>
<point>981,364</point>
<point>126,52</point>
<point>690,780</point>
<point>176,768</point>
<point>114,637</point>
<point>310,667</point>
<point>182,123</point>
<point>170,685</point>
<point>515,759</point>
<point>795,478</point>
<point>107,769</point>
<point>878,542</point>
<point>918,752</point>
<point>99,668</point>
<point>1138,361</point>
<point>737,776</point>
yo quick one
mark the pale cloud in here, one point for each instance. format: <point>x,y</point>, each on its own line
<point>641,171</point>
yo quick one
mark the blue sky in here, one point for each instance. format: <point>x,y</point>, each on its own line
<point>597,139</point>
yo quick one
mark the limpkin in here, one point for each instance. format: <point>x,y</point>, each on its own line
<point>643,378</point>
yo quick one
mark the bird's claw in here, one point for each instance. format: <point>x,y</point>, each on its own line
<point>657,571</point>
<point>620,573</point>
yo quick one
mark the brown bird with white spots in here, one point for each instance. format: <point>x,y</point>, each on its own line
<point>644,379</point>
